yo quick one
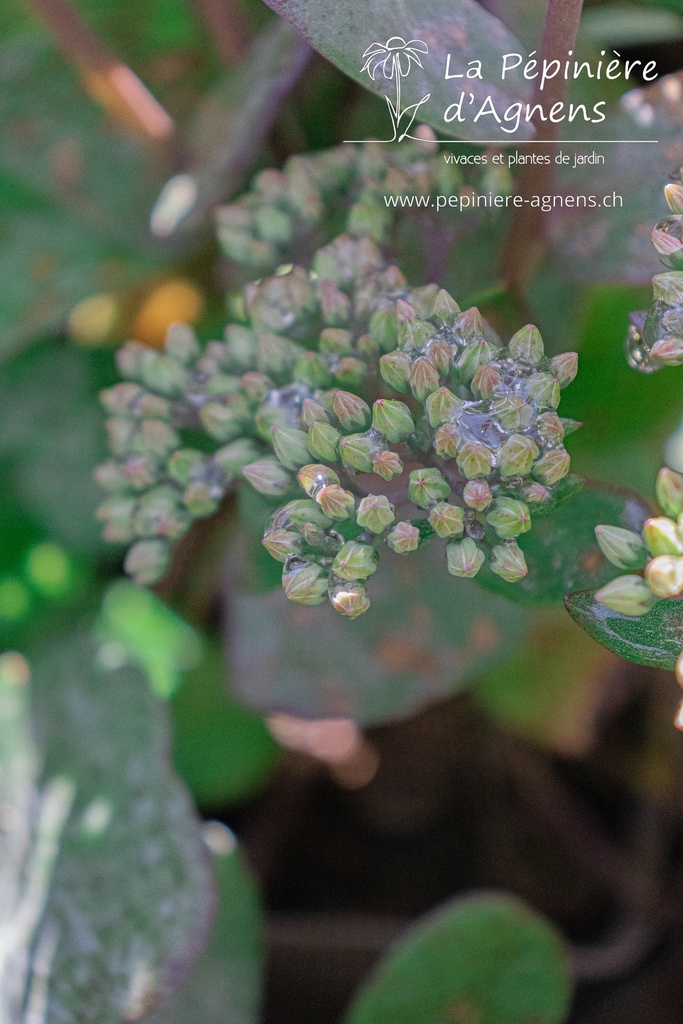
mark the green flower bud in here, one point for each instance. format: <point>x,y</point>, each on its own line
<point>314,477</point>
<point>550,427</point>
<point>131,357</point>
<point>300,513</point>
<point>335,306</point>
<point>508,562</point>
<point>165,376</point>
<point>668,350</point>
<point>395,369</point>
<point>336,342</point>
<point>220,421</point>
<point>413,335</point>
<point>109,477</point>
<point>304,582</point>
<point>668,288</point>
<point>509,518</point>
<point>447,441</point>
<point>544,390</point>
<point>474,459</point>
<point>446,520</point>
<point>349,372</point>
<point>358,451</point>
<point>439,353</point>
<point>404,538</point>
<point>242,345</point>
<point>424,378</point>
<point>517,455</point>
<point>187,464</point>
<point>160,513</point>
<point>664,575</point>
<point>267,476</point>
<point>393,419</point>
<point>311,368</point>
<point>674,197</point>
<point>322,441</point>
<point>201,499</point>
<point>255,386</point>
<point>335,502</point>
<point>355,561</point>
<point>426,486</point>
<point>290,446</point>
<point>485,381</point>
<point>140,471</point>
<point>477,495</point>
<point>349,599</point>
<point>662,537</point>
<point>274,225</point>
<point>553,466</point>
<point>117,515</point>
<point>527,345</point>
<point>120,434</point>
<point>445,310</point>
<point>151,407</point>
<point>234,456</point>
<point>367,349</point>
<point>313,412</point>
<point>387,465</point>
<point>565,367</point>
<point>464,558</point>
<point>275,354</point>
<point>181,344</point>
<point>468,325</point>
<point>121,399</point>
<point>147,561</point>
<point>473,357</point>
<point>669,490</point>
<point>441,406</point>
<point>282,543</point>
<point>351,411</point>
<point>384,329</point>
<point>628,595</point>
<point>622,548</point>
<point>512,412</point>
<point>375,513</point>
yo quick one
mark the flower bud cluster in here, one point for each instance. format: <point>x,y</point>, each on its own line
<point>655,336</point>
<point>657,550</point>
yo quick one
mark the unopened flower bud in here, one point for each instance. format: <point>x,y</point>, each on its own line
<point>628,595</point>
<point>512,412</point>
<point>375,513</point>
<point>395,369</point>
<point>441,406</point>
<point>527,345</point>
<point>267,477</point>
<point>358,451</point>
<point>550,427</point>
<point>447,441</point>
<point>464,558</point>
<point>147,561</point>
<point>393,419</point>
<point>304,582</point>
<point>662,537</point>
<point>565,367</point>
<point>186,464</point>
<point>534,492</point>
<point>355,561</point>
<point>477,494</point>
<point>181,343</point>
<point>517,455</point>
<point>351,411</point>
<point>509,518</point>
<point>665,575</point>
<point>220,421</point>
<point>234,456</point>
<point>426,486</point>
<point>468,325</point>
<point>322,441</point>
<point>553,466</point>
<point>508,562</point>
<point>335,306</point>
<point>475,355</point>
<point>668,350</point>
<point>440,355</point>
<point>387,465</point>
<point>674,196</point>
<point>201,499</point>
<point>314,476</point>
<point>485,381</point>
<point>544,390</point>
<point>313,412</point>
<point>165,376</point>
<point>310,368</point>
<point>349,371</point>
<point>622,548</point>
<point>384,329</point>
<point>290,446</point>
<point>335,502</point>
<point>424,378</point>
<point>446,520</point>
<point>282,543</point>
<point>413,335</point>
<point>445,309</point>
<point>404,538</point>
<point>474,459</point>
<point>160,513</point>
<point>117,516</point>
<point>110,478</point>
<point>140,471</point>
<point>668,288</point>
<point>349,599</point>
<point>669,490</point>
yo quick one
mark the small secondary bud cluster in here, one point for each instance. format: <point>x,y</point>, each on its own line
<point>657,551</point>
<point>655,337</point>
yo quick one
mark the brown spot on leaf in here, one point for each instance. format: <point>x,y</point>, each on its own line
<point>398,653</point>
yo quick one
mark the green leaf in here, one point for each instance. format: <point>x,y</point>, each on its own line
<point>624,24</point>
<point>425,635</point>
<point>487,958</point>
<point>654,639</point>
<point>105,882</point>
<point>561,551</point>
<point>343,31</point>
<point>225,983</point>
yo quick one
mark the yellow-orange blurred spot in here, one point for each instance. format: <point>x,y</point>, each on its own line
<point>14,669</point>
<point>92,321</point>
<point>174,301</point>
<point>128,99</point>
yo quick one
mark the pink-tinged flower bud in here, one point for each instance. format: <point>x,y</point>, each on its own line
<point>322,441</point>
<point>627,595</point>
<point>441,406</point>
<point>181,343</point>
<point>282,543</point>
<point>468,325</point>
<point>447,441</point>
<point>267,476</point>
<point>668,288</point>
<point>474,459</point>
<point>404,538</point>
<point>439,353</point>
<point>445,309</point>
<point>464,558</point>
<point>413,335</point>
<point>674,196</point>
<point>220,421</point>
<point>508,562</point>
<point>393,419</point>
<point>349,599</point>
<point>662,537</point>
<point>304,582</point>
<point>351,411</point>
<point>387,465</point>
<point>553,466</point>
<point>512,412</point>
<point>517,455</point>
<point>426,486</point>
<point>565,367</point>
<point>550,427</point>
<point>147,561</point>
<point>336,342</point>
<point>335,502</point>
<point>509,518</point>
<point>201,498</point>
<point>424,378</point>
<point>485,381</point>
<point>477,495</point>
<point>310,368</point>
<point>355,561</point>
<point>543,390</point>
<point>527,345</point>
<point>313,412</point>
<point>669,490</point>
<point>447,520</point>
<point>395,369</point>
<point>665,575</point>
<point>375,513</point>
<point>350,372</point>
<point>622,548</point>
<point>668,350</point>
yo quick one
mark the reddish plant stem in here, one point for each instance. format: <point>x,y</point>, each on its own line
<point>104,75</point>
<point>224,20</point>
<point>526,234</point>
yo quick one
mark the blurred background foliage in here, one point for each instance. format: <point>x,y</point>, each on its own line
<point>84,158</point>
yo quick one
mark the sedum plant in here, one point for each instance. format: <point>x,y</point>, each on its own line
<point>383,414</point>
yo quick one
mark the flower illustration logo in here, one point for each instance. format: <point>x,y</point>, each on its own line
<point>394,59</point>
